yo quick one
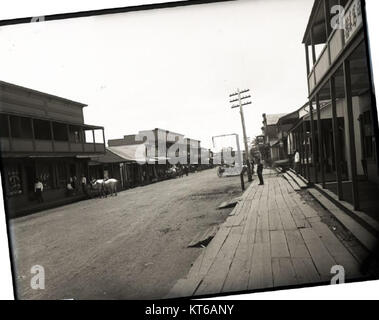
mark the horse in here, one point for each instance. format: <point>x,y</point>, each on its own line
<point>105,187</point>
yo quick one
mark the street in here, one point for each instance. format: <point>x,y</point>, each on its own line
<point>126,247</point>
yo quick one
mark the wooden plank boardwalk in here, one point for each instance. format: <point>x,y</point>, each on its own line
<point>271,239</point>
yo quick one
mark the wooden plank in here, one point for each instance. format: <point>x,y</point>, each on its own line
<point>359,232</point>
<point>261,269</point>
<point>296,244</point>
<point>214,280</point>
<point>279,248</point>
<point>305,271</point>
<point>286,218</point>
<point>339,252</point>
<point>297,180</point>
<point>299,217</point>
<point>204,261</point>
<point>296,212</point>
<point>204,238</point>
<point>292,183</point>
<point>238,276</point>
<point>183,288</point>
<point>283,272</point>
<point>320,255</point>
<point>307,211</point>
<point>274,220</point>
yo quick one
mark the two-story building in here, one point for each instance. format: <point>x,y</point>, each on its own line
<point>271,140</point>
<point>341,117</point>
<point>43,137</point>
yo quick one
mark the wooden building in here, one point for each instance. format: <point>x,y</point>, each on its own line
<point>270,133</point>
<point>43,137</point>
<point>119,164</point>
<point>337,134</point>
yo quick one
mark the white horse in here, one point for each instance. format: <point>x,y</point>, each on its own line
<point>105,187</point>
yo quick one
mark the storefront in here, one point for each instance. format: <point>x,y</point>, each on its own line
<point>337,133</point>
<point>43,138</point>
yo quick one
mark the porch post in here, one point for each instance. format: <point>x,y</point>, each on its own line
<point>10,133</point>
<point>306,149</point>
<point>353,156</point>
<point>307,60</point>
<point>52,135</point>
<point>103,138</point>
<point>33,134</point>
<point>93,139</point>
<point>68,137</point>
<point>82,137</point>
<point>328,26</point>
<point>336,138</point>
<point>313,48</point>
<point>320,142</point>
<point>302,152</point>
<point>315,178</point>
<point>297,148</point>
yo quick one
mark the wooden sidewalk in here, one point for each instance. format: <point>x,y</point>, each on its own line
<point>272,239</point>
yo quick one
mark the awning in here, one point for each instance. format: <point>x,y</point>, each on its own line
<point>135,152</point>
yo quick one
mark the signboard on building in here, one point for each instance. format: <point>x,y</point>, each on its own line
<point>353,19</point>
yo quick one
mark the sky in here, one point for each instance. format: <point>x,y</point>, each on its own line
<point>168,68</point>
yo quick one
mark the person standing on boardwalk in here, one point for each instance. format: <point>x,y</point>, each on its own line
<point>252,164</point>
<point>297,161</point>
<point>260,172</point>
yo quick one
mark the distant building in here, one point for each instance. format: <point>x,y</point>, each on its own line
<point>270,133</point>
<point>43,137</point>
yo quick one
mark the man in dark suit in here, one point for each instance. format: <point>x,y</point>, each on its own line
<point>260,172</point>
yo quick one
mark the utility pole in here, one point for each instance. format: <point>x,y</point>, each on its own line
<point>241,103</point>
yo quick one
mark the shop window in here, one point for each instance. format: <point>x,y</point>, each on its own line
<point>44,174</point>
<point>21,127</point>
<point>13,180</point>
<point>368,135</point>
<point>60,132</point>
<point>4,130</point>
<point>42,130</point>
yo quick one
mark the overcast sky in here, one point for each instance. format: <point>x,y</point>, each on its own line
<point>169,68</point>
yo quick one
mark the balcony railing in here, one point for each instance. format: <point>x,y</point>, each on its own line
<point>30,146</point>
<point>335,44</point>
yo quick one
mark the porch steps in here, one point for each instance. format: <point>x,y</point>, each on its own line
<point>299,176</point>
<point>367,238</point>
<point>298,180</point>
<point>292,182</point>
<point>362,217</point>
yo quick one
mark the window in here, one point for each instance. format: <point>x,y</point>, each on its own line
<point>21,127</point>
<point>13,179</point>
<point>42,130</point>
<point>4,130</point>
<point>60,132</point>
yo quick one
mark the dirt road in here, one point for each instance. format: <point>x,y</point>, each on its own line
<point>126,247</point>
